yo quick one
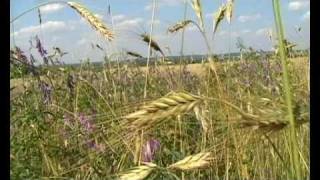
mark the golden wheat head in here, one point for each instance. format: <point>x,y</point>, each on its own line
<point>154,45</point>
<point>179,25</point>
<point>229,10</point>
<point>93,20</point>
<point>193,162</point>
<point>138,172</point>
<point>170,105</point>
<point>196,5</point>
<point>218,17</point>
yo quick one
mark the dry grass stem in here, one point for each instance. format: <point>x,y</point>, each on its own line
<point>134,54</point>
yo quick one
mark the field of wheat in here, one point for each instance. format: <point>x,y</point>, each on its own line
<point>216,119</point>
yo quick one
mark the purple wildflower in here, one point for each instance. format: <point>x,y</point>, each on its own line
<point>93,145</point>
<point>43,53</point>
<point>86,123</point>
<point>149,150</point>
<point>46,91</point>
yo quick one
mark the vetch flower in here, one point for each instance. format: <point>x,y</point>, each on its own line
<point>46,91</point>
<point>149,150</point>
<point>86,123</point>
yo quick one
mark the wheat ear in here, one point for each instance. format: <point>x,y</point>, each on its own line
<point>229,10</point>
<point>193,162</point>
<point>196,5</point>
<point>154,45</point>
<point>170,105</point>
<point>93,20</point>
<point>218,17</point>
<point>179,25</point>
<point>138,172</point>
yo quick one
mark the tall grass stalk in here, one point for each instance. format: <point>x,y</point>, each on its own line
<point>149,47</point>
<point>182,41</point>
<point>294,160</point>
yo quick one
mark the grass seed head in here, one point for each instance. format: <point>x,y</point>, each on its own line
<point>179,25</point>
<point>154,45</point>
<point>170,105</point>
<point>93,20</point>
<point>193,162</point>
<point>229,10</point>
<point>138,172</point>
<point>218,17</point>
<point>196,5</point>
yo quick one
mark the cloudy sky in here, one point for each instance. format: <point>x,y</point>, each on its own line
<point>63,27</point>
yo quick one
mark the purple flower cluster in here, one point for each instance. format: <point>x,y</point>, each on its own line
<point>86,123</point>
<point>93,145</point>
<point>149,150</point>
<point>43,53</point>
<point>40,48</point>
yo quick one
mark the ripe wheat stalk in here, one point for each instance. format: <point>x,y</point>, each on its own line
<point>171,105</point>
<point>193,162</point>
<point>179,25</point>
<point>154,45</point>
<point>93,20</point>
<point>196,5</point>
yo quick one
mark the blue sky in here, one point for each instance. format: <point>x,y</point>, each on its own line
<point>64,28</point>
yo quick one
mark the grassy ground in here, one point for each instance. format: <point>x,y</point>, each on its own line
<point>81,132</point>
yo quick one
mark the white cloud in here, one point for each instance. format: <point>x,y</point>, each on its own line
<point>227,33</point>
<point>82,41</point>
<point>263,31</point>
<point>245,31</point>
<point>298,5</point>
<point>306,16</point>
<point>51,8</point>
<point>209,15</point>
<point>129,22</point>
<point>246,18</point>
<point>50,26</point>
<point>163,3</point>
<point>148,7</point>
<point>234,34</point>
<point>221,33</point>
<point>191,28</point>
<point>155,22</point>
<point>118,17</point>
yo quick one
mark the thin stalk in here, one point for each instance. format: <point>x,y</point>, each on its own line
<point>295,168</point>
<point>35,7</point>
<point>213,67</point>
<point>182,41</point>
<point>149,47</point>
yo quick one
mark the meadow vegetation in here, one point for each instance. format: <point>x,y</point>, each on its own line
<point>219,119</point>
